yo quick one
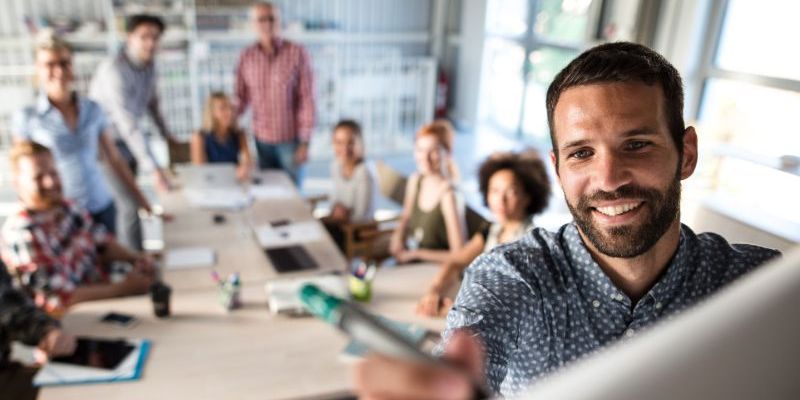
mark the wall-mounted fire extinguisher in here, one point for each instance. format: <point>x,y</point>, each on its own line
<point>442,93</point>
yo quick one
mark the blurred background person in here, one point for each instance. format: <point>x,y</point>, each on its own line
<point>274,79</point>
<point>52,246</point>
<point>220,140</point>
<point>515,187</point>
<point>352,188</point>
<point>432,225</point>
<point>76,130</point>
<point>125,85</point>
<point>21,321</point>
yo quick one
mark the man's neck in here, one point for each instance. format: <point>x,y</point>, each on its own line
<point>635,276</point>
<point>133,58</point>
<point>62,100</point>
<point>267,44</point>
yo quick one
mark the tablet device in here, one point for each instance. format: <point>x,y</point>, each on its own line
<point>98,353</point>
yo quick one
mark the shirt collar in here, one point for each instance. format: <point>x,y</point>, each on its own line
<point>277,44</point>
<point>589,274</point>
<point>43,104</point>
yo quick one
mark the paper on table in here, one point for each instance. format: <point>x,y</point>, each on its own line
<point>271,192</point>
<point>217,198</point>
<point>285,235</point>
<point>54,373</point>
<point>283,296</point>
<point>190,257</point>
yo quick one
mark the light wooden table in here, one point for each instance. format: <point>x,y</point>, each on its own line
<point>204,352</point>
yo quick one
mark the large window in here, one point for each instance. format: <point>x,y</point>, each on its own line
<point>528,42</point>
<point>749,107</point>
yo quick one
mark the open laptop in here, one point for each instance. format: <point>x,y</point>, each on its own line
<point>742,343</point>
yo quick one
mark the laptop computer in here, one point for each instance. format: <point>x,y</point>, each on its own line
<point>207,176</point>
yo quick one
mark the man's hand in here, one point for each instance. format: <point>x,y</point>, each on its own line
<point>162,182</point>
<point>137,282</point>
<point>55,343</point>
<point>144,264</point>
<point>379,377</point>
<point>301,154</point>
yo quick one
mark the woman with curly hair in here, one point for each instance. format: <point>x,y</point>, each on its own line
<point>515,187</point>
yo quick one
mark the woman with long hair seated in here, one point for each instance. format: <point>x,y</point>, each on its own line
<point>220,140</point>
<point>432,225</point>
<point>515,187</point>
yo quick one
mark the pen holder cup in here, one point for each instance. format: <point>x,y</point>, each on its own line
<point>360,289</point>
<point>229,296</point>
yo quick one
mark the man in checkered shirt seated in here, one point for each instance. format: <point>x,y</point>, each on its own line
<point>52,247</point>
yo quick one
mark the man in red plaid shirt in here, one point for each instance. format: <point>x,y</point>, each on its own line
<point>274,78</point>
<point>53,248</point>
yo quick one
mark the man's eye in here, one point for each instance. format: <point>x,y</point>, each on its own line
<point>637,145</point>
<point>580,154</point>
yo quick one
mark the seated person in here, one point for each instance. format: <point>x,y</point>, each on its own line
<point>53,248</point>
<point>21,321</point>
<point>515,187</point>
<point>77,132</point>
<point>351,194</point>
<point>431,226</point>
<point>526,309</point>
<point>221,140</point>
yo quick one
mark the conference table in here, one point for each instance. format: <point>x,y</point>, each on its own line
<point>203,351</point>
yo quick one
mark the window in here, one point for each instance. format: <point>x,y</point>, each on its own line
<point>749,105</point>
<point>528,42</point>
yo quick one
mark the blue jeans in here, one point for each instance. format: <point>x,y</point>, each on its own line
<point>280,156</point>
<point>107,217</point>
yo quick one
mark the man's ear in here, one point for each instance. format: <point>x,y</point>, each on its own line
<point>554,161</point>
<point>689,161</point>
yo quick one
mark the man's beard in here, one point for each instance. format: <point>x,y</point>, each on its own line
<point>627,241</point>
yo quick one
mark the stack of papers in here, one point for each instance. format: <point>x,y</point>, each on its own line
<point>271,192</point>
<point>294,233</point>
<point>283,294</point>
<point>225,199</point>
<point>190,257</point>
<point>130,368</point>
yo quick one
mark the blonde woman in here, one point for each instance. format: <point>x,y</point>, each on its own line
<point>76,130</point>
<point>220,140</point>
<point>432,225</point>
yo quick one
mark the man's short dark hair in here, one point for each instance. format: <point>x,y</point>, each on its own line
<point>622,62</point>
<point>350,124</point>
<point>140,19</point>
<point>528,169</point>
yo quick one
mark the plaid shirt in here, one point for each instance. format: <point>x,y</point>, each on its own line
<point>52,253</point>
<point>279,87</point>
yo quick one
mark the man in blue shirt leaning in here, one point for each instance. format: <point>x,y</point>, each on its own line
<point>525,309</point>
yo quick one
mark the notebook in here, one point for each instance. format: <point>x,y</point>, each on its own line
<point>190,257</point>
<point>96,360</point>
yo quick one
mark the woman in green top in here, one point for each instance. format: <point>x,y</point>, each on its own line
<point>432,224</point>
<point>515,187</point>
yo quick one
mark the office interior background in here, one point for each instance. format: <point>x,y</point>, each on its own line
<point>394,65</point>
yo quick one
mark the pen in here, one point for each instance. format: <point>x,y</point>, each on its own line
<point>369,331</point>
<point>215,276</point>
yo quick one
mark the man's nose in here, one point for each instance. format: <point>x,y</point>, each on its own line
<point>610,172</point>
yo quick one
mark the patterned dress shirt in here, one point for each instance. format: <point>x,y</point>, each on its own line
<point>51,253</point>
<point>279,88</point>
<point>543,302</point>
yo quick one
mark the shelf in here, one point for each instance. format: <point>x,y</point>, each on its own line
<point>323,37</point>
